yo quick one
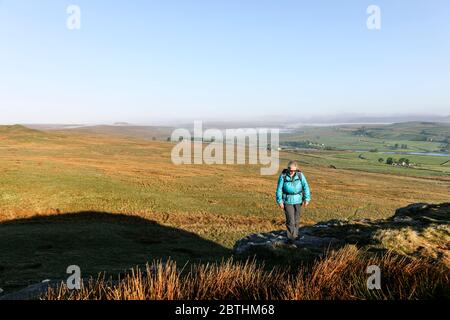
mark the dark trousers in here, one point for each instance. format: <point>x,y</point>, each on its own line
<point>292,212</point>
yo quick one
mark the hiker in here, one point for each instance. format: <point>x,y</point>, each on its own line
<point>292,193</point>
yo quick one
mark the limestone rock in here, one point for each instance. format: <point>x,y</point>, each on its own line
<point>416,230</point>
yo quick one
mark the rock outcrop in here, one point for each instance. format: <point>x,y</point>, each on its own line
<point>416,230</point>
<point>32,292</point>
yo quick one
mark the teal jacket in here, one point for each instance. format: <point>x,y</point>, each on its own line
<point>293,190</point>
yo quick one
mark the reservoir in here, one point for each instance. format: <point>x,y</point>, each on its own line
<point>434,154</point>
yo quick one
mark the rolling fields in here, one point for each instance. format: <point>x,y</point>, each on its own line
<point>417,136</point>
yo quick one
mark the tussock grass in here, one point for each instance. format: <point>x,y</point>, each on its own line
<point>338,275</point>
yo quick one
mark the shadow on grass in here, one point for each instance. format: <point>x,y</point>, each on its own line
<point>39,248</point>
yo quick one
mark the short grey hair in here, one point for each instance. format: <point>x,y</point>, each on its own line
<point>292,163</point>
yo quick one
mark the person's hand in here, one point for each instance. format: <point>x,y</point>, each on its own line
<point>281,205</point>
<point>305,203</point>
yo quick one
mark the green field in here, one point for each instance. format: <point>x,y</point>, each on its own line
<point>360,147</point>
<point>425,166</point>
<point>417,136</point>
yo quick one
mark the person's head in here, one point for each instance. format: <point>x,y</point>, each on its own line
<point>292,166</point>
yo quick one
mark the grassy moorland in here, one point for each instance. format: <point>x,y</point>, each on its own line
<point>111,203</point>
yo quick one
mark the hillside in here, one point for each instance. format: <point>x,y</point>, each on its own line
<point>127,131</point>
<point>72,190</point>
<point>408,247</point>
<point>411,245</point>
<point>417,136</point>
<point>413,131</point>
<point>19,132</point>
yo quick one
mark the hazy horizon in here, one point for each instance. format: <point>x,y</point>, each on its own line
<point>327,120</point>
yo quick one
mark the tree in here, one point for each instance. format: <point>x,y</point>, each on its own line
<point>380,160</point>
<point>403,161</point>
<point>389,160</point>
<point>360,132</point>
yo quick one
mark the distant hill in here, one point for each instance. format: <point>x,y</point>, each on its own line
<point>356,119</point>
<point>53,126</point>
<point>17,128</point>
<point>118,129</point>
<point>128,131</point>
<point>413,131</point>
<point>20,133</point>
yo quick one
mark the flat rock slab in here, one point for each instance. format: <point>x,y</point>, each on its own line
<point>32,292</point>
<point>415,222</point>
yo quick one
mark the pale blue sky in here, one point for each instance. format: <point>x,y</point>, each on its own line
<point>141,61</point>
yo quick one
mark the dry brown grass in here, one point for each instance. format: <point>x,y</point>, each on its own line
<point>145,167</point>
<point>339,275</point>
